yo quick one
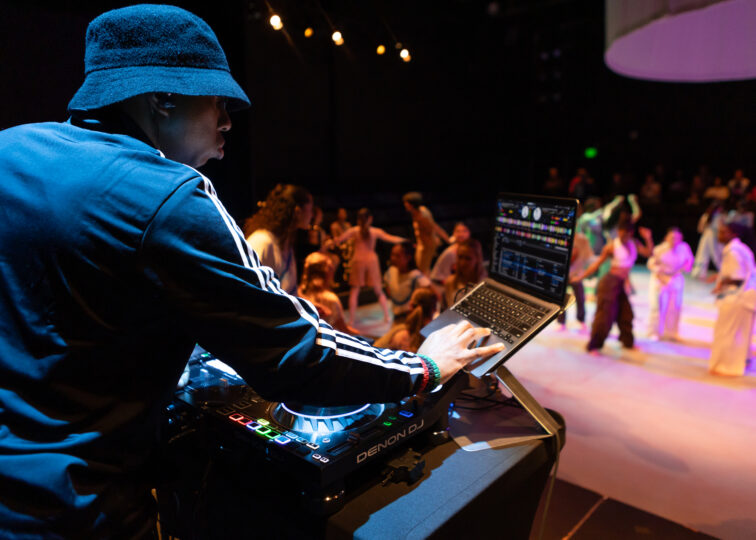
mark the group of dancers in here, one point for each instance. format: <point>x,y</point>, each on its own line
<point>418,284</point>
<point>410,292</point>
<point>729,245</point>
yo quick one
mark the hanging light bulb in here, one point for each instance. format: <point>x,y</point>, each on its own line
<point>337,38</point>
<point>380,50</point>
<point>405,55</point>
<point>308,32</point>
<point>275,22</point>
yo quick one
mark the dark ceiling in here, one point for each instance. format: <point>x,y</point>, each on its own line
<point>496,92</point>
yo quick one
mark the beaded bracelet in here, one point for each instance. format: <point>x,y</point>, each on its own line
<point>435,373</point>
<point>426,378</point>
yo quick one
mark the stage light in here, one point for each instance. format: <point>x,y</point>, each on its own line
<point>405,55</point>
<point>275,22</point>
<point>591,152</point>
<point>337,38</point>
<point>308,32</point>
<point>407,58</point>
<point>380,50</point>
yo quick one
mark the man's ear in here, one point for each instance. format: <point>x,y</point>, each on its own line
<point>160,104</point>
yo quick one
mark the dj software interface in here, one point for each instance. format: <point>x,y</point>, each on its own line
<point>532,244</point>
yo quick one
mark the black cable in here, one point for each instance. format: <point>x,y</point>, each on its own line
<point>482,408</point>
<point>464,290</point>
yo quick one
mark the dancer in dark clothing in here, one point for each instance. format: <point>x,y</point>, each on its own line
<point>612,303</point>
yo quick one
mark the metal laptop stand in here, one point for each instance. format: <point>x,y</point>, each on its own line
<point>528,402</point>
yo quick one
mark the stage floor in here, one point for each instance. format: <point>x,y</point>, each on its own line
<point>650,428</point>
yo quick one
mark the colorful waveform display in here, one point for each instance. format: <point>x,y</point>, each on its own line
<point>534,236</point>
<point>546,227</point>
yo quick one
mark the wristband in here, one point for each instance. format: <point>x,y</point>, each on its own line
<point>435,373</point>
<point>426,378</point>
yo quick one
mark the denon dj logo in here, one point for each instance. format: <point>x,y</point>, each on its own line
<point>396,437</point>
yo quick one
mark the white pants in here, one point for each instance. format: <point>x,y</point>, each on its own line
<point>665,302</point>
<point>709,249</point>
<point>732,334</point>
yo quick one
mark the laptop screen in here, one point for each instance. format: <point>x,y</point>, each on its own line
<point>533,243</point>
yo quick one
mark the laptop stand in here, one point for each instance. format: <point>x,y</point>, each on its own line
<point>529,403</point>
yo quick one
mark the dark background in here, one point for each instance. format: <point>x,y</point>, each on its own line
<point>496,92</point>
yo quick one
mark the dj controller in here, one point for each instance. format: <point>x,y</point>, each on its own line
<point>312,451</point>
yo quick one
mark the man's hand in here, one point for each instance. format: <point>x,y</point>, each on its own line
<point>448,347</point>
<point>645,233</point>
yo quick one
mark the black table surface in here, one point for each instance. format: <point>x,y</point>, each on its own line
<point>461,493</point>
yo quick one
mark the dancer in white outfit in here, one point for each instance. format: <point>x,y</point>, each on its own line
<point>736,302</point>
<point>709,248</point>
<point>667,263</point>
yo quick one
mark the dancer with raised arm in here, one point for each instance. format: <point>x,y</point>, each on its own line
<point>365,267</point>
<point>612,302</point>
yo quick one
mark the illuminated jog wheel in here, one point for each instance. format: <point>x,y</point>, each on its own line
<point>322,420</point>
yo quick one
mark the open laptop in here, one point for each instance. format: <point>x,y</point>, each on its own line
<point>528,275</point>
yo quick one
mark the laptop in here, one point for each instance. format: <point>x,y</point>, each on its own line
<point>528,275</point>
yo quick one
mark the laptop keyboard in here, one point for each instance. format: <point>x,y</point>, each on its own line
<point>509,317</point>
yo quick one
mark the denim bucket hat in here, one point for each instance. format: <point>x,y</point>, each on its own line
<point>153,48</point>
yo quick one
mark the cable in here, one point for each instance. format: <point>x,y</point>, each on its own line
<point>464,290</point>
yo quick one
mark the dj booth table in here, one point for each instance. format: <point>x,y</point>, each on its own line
<point>492,492</point>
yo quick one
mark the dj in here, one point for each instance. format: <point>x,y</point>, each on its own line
<point>116,256</point>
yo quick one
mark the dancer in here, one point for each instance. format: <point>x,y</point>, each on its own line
<point>612,303</point>
<point>340,225</point>
<point>709,249</point>
<point>665,288</point>
<point>468,270</point>
<point>345,250</point>
<point>426,229</point>
<point>317,287</point>
<point>402,278</point>
<point>591,222</point>
<point>272,230</point>
<point>581,254</point>
<point>365,268</point>
<point>406,336</point>
<point>445,263</point>
<point>736,301</point>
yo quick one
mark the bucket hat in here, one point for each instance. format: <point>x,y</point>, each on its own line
<point>153,48</point>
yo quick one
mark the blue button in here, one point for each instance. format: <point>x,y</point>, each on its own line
<point>406,414</point>
<point>253,425</point>
<point>282,439</point>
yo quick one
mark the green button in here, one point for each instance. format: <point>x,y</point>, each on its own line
<point>263,431</point>
<point>263,421</point>
<point>392,418</point>
<point>387,423</point>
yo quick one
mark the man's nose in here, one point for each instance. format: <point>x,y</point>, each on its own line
<point>224,121</point>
